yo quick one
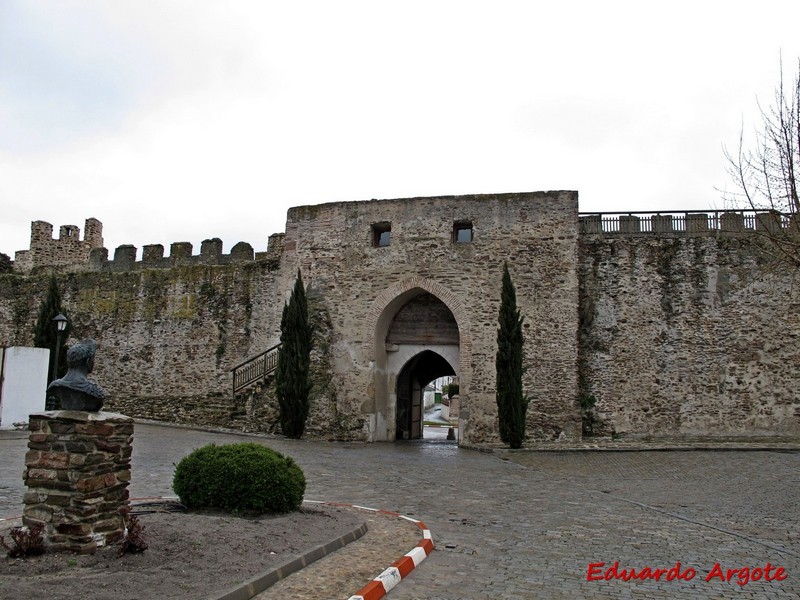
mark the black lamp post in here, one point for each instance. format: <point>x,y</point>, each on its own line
<point>61,325</point>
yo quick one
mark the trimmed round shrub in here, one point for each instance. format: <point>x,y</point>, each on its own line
<point>239,477</point>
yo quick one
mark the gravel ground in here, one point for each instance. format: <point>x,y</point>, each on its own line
<point>190,556</point>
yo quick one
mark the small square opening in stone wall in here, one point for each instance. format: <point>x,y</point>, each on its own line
<point>462,232</point>
<point>381,234</point>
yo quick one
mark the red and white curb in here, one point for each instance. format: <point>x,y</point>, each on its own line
<point>390,577</point>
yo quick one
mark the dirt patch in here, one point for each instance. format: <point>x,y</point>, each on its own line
<point>189,556</point>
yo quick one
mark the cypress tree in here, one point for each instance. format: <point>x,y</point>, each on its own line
<point>45,334</point>
<point>511,404</point>
<point>292,385</point>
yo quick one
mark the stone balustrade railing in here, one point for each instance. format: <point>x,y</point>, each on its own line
<point>684,222</point>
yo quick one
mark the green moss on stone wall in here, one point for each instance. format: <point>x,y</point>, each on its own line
<point>113,296</point>
<point>183,307</point>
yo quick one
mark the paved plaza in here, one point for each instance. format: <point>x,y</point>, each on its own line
<point>529,525</point>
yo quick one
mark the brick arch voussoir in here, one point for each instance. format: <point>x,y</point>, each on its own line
<point>450,300</point>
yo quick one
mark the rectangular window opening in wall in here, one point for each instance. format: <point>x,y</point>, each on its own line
<point>381,234</point>
<point>462,232</point>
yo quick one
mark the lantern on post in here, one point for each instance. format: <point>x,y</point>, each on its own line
<point>61,325</point>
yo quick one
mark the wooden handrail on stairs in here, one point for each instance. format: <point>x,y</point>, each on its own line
<point>255,368</point>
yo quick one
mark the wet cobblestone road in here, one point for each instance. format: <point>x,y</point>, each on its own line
<point>528,525</point>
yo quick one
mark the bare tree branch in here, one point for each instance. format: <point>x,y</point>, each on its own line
<point>765,175</point>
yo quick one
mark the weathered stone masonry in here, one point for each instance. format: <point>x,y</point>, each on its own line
<point>673,331</point>
<point>364,287</point>
<point>688,335</point>
<point>78,471</point>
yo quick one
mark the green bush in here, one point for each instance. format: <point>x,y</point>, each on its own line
<point>239,477</point>
<point>450,389</point>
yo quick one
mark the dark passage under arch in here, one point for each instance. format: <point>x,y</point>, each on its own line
<point>411,381</point>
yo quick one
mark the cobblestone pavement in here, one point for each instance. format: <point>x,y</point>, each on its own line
<point>528,525</point>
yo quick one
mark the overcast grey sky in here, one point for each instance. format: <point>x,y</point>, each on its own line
<point>183,120</point>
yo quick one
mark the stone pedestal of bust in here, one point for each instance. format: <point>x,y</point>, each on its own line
<point>78,472</point>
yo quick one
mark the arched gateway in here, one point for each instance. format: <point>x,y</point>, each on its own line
<point>421,332</point>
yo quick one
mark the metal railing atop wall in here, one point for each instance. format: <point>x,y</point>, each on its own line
<point>255,368</point>
<point>686,222</point>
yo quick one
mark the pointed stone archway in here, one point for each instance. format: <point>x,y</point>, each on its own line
<point>412,378</point>
<point>407,319</point>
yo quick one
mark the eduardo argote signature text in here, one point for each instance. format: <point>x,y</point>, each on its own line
<point>741,575</point>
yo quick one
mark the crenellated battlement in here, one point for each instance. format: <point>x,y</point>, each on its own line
<point>71,253</point>
<point>65,251</point>
<point>181,254</point>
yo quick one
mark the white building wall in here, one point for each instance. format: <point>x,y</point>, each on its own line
<point>23,383</point>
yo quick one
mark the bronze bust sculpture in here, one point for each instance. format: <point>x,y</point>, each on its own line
<point>74,391</point>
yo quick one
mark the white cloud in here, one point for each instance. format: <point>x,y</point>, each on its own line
<point>173,121</point>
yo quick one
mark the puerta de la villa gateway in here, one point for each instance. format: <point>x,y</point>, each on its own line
<point>638,325</point>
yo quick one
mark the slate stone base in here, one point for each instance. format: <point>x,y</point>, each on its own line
<point>78,468</point>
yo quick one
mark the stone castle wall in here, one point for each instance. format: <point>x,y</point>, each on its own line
<point>167,338</point>
<point>535,233</point>
<point>670,325</point>
<point>688,336</point>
